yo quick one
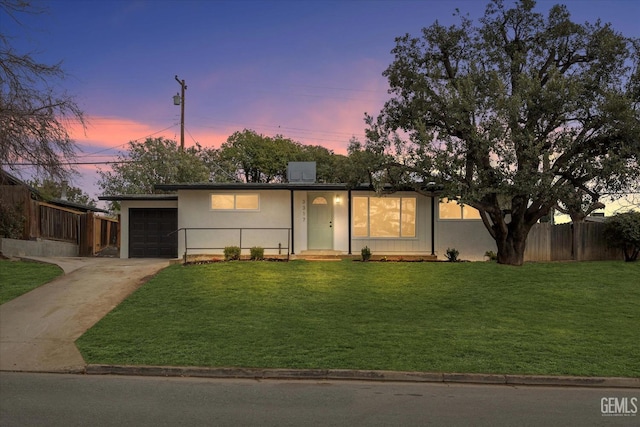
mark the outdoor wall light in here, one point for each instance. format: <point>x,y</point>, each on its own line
<point>338,200</point>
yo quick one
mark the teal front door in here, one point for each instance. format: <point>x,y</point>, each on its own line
<point>320,221</point>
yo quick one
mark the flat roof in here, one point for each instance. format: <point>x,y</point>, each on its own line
<point>244,186</point>
<point>120,197</point>
<point>432,188</point>
<point>249,186</point>
<point>79,206</point>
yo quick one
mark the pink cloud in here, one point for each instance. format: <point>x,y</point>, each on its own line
<point>114,133</point>
<point>322,115</point>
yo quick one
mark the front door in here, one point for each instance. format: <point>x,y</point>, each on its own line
<point>320,221</point>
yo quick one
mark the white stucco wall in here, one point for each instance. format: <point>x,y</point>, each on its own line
<point>468,236</point>
<point>194,211</point>
<point>300,221</point>
<point>125,205</point>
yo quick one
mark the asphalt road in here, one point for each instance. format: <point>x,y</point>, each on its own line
<point>30,399</point>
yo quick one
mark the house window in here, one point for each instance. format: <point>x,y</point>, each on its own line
<point>450,209</point>
<point>230,202</point>
<point>384,216</point>
<point>319,201</point>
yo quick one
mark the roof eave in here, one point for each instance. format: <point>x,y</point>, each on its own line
<point>124,197</point>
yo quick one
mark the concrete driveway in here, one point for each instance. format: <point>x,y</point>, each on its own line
<point>39,328</point>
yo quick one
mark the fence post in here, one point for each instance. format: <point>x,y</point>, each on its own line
<point>86,235</point>
<point>119,231</point>
<point>185,245</point>
<point>578,231</point>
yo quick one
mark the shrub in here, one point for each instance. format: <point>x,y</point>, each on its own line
<point>231,253</point>
<point>452,254</point>
<point>366,253</point>
<point>623,231</point>
<point>11,222</point>
<point>491,256</point>
<point>257,253</point>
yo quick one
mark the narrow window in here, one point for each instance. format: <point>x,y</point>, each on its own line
<point>450,209</point>
<point>408,227</point>
<point>360,216</point>
<point>247,202</point>
<point>222,201</point>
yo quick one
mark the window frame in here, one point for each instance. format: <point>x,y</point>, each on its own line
<point>400,222</point>
<point>235,202</point>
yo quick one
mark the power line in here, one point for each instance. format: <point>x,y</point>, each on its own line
<point>74,163</point>
<point>121,145</point>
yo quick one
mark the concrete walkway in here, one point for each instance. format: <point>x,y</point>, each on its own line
<point>39,328</point>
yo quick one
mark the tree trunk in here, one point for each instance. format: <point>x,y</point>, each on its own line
<point>511,246</point>
<point>631,253</point>
<point>511,252</point>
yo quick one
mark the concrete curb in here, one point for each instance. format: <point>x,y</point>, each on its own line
<point>363,375</point>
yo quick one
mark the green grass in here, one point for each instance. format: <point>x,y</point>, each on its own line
<point>555,318</point>
<point>20,277</point>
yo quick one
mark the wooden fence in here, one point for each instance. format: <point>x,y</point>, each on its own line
<point>42,220</point>
<point>583,241</point>
<point>55,222</point>
<point>97,233</point>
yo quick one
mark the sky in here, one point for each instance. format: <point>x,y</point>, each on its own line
<point>306,69</point>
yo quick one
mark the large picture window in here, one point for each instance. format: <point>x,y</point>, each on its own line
<point>450,209</point>
<point>384,216</point>
<point>230,202</point>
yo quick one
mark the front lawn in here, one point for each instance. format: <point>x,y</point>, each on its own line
<point>547,318</point>
<point>20,277</point>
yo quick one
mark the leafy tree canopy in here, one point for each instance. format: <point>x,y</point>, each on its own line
<point>513,114</point>
<point>251,157</point>
<point>154,161</point>
<point>52,189</point>
<point>623,231</point>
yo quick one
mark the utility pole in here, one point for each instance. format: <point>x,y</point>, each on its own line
<point>179,100</point>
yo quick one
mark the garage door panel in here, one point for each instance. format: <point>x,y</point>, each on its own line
<point>148,233</point>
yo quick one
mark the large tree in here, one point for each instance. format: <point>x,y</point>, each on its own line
<point>34,113</point>
<point>514,114</point>
<point>255,157</point>
<point>251,157</point>
<point>154,161</point>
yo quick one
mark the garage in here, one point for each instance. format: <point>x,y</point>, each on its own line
<point>149,230</point>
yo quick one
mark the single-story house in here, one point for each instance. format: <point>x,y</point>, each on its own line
<point>296,218</point>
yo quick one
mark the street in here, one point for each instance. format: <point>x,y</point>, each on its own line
<point>28,399</point>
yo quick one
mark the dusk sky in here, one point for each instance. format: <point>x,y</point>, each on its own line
<point>308,70</point>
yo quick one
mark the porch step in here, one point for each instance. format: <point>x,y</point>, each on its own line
<point>320,255</point>
<point>407,258</point>
<point>328,255</point>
